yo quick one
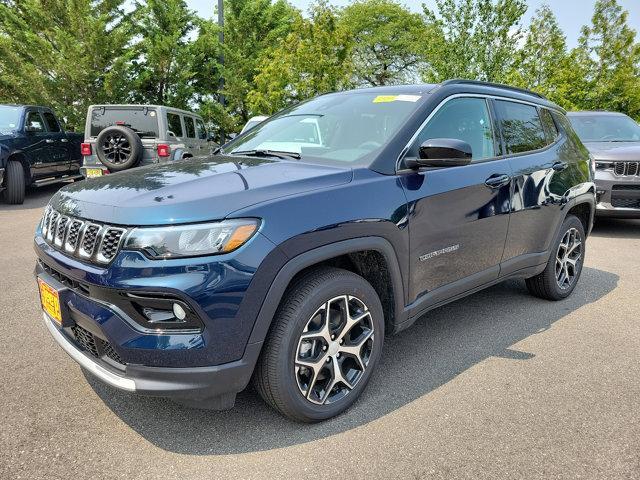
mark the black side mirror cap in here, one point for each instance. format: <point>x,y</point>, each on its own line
<point>442,152</point>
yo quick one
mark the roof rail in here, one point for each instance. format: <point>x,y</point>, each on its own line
<point>462,81</point>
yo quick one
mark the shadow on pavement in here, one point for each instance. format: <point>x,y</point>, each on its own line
<point>616,228</point>
<point>440,346</point>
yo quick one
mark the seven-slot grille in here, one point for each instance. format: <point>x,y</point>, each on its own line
<point>627,169</point>
<point>83,239</point>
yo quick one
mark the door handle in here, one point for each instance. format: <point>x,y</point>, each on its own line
<point>497,180</point>
<point>49,140</point>
<point>559,166</point>
<point>64,140</point>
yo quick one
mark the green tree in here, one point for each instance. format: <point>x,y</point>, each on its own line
<point>65,54</point>
<point>474,39</point>
<point>312,59</point>
<point>161,61</point>
<point>610,56</point>
<point>387,42</point>
<point>540,62</point>
<point>251,29</point>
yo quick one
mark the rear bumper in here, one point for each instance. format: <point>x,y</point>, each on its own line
<point>188,385</point>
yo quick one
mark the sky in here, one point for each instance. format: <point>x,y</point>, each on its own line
<point>571,14</point>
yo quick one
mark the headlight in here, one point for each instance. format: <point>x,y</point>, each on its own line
<point>192,240</point>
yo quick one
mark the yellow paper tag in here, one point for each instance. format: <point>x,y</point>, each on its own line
<point>385,98</point>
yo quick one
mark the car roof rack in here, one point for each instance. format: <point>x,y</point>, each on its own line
<point>462,81</point>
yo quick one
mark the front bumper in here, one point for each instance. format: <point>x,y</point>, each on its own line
<point>216,384</point>
<point>617,196</point>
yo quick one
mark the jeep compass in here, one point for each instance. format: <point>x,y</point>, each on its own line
<point>286,257</point>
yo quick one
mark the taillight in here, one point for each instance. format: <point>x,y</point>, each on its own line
<point>85,149</point>
<point>164,150</point>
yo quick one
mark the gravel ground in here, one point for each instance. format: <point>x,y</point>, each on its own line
<point>498,385</point>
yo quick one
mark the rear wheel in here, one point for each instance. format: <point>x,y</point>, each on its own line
<point>324,343</point>
<point>564,267</point>
<point>14,183</point>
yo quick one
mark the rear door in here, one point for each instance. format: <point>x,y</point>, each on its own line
<point>458,216</point>
<point>58,145</point>
<point>532,143</point>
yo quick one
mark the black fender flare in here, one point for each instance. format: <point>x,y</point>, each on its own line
<point>315,256</point>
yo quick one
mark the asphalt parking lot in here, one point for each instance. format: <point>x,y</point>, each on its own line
<point>498,385</point>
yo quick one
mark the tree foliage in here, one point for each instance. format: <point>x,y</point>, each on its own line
<point>473,39</point>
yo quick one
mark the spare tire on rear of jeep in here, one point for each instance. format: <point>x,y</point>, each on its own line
<point>119,148</point>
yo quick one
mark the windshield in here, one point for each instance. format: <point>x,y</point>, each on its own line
<point>605,128</point>
<point>9,118</point>
<point>335,129</point>
<point>142,120</point>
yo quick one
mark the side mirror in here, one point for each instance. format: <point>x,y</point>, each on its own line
<point>211,138</point>
<point>442,152</point>
<point>29,129</point>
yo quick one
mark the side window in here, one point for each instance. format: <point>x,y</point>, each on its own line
<point>52,122</point>
<point>521,127</point>
<point>175,125</point>
<point>549,126</point>
<point>190,126</point>
<point>465,119</point>
<point>202,131</point>
<point>34,122</point>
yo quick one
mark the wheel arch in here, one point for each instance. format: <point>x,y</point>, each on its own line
<point>360,255</point>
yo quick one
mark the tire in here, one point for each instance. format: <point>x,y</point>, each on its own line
<point>297,391</point>
<point>119,148</point>
<point>14,183</point>
<point>548,284</point>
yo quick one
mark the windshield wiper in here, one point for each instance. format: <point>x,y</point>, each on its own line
<point>267,153</point>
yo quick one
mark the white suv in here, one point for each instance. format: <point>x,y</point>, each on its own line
<point>119,137</point>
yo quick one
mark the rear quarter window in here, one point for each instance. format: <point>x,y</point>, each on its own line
<point>143,121</point>
<point>521,126</point>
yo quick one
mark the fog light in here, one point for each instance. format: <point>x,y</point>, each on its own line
<point>179,312</point>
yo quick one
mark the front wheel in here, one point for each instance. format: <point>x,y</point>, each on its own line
<point>324,343</point>
<point>564,267</point>
<point>14,183</point>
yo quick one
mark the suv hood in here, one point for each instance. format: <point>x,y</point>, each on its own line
<point>614,151</point>
<point>194,190</point>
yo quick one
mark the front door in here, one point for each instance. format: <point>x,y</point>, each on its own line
<point>57,145</point>
<point>36,145</point>
<point>458,216</point>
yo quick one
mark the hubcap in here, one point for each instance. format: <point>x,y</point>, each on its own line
<point>116,148</point>
<point>568,258</point>
<point>334,350</point>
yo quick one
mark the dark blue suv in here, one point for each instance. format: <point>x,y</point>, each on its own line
<point>289,255</point>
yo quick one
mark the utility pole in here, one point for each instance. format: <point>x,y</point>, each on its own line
<point>221,98</point>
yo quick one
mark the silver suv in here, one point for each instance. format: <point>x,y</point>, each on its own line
<point>119,137</point>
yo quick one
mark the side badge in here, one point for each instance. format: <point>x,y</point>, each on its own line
<point>442,251</point>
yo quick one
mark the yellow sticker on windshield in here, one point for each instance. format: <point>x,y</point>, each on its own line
<point>384,98</point>
<point>396,98</point>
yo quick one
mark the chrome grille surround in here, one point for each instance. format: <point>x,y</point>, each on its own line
<point>626,169</point>
<point>93,242</point>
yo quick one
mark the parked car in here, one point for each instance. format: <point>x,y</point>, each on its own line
<point>290,266</point>
<point>614,141</point>
<point>120,137</point>
<point>252,122</point>
<point>34,150</point>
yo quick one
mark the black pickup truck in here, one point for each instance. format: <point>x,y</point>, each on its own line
<point>34,150</point>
